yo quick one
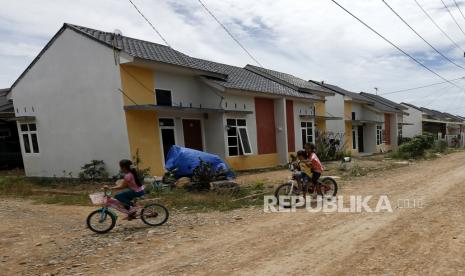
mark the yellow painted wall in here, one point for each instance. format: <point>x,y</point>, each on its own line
<point>247,162</point>
<point>320,110</point>
<point>138,84</point>
<point>347,110</point>
<point>348,138</point>
<point>144,136</point>
<point>143,131</point>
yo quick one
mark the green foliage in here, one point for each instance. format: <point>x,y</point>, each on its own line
<point>137,161</point>
<point>95,170</point>
<point>440,146</point>
<point>415,148</point>
<point>329,149</point>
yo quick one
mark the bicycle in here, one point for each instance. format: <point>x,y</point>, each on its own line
<point>104,219</point>
<point>294,187</point>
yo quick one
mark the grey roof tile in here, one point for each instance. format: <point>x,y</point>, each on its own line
<point>344,92</point>
<point>5,105</point>
<point>235,77</point>
<point>297,83</point>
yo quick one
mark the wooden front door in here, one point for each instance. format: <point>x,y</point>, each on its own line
<point>192,134</point>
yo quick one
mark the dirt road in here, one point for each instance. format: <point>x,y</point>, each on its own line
<point>49,239</point>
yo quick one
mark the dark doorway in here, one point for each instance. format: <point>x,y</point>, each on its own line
<point>168,140</point>
<point>360,139</point>
<point>192,134</point>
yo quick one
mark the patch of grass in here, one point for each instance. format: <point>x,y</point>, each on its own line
<point>205,201</point>
<point>31,189</point>
<point>75,193</point>
<point>10,185</point>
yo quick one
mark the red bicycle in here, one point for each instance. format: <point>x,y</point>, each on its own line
<point>104,219</point>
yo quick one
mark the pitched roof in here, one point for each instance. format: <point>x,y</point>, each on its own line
<point>411,105</point>
<point>339,90</point>
<point>288,80</point>
<point>388,105</point>
<point>5,105</point>
<point>242,79</point>
<point>144,49</point>
<point>441,116</point>
<point>228,76</point>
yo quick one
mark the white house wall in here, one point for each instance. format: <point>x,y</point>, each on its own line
<point>413,122</point>
<point>187,90</point>
<point>72,91</point>
<point>237,101</point>
<point>335,108</point>
<point>302,108</point>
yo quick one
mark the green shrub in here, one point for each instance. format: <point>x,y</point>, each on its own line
<point>329,149</point>
<point>415,148</point>
<point>440,146</point>
<point>95,170</point>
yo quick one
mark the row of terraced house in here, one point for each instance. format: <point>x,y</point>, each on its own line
<point>91,95</point>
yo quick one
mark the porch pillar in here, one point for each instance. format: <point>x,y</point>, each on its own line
<point>281,130</point>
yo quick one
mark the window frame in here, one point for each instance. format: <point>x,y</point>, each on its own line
<point>239,143</point>
<point>29,133</point>
<point>379,135</point>
<point>242,142</point>
<point>312,134</point>
<point>163,91</point>
<point>160,128</point>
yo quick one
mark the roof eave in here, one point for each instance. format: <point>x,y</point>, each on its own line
<point>33,62</point>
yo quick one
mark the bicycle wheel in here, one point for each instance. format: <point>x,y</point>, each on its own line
<point>328,187</point>
<point>101,221</point>
<point>286,189</point>
<point>154,214</point>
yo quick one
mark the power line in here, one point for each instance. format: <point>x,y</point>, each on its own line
<point>229,32</point>
<point>394,45</point>
<point>460,10</point>
<point>453,18</point>
<point>150,23</point>
<point>181,56</point>
<point>439,28</point>
<point>126,95</point>
<point>422,38</point>
<point>419,87</point>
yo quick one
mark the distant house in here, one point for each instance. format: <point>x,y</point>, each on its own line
<point>366,124</point>
<point>91,94</point>
<point>442,124</point>
<point>10,150</point>
<point>393,119</point>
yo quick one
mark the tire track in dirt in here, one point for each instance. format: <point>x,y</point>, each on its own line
<point>274,244</point>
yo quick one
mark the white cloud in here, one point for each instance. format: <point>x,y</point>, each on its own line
<point>311,39</point>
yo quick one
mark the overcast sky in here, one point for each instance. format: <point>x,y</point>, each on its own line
<point>312,39</point>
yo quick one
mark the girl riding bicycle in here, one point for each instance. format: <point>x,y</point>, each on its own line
<point>315,164</point>
<point>133,185</point>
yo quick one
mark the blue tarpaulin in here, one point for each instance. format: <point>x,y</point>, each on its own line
<point>186,160</point>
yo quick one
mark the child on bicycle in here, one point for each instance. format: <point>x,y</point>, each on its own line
<point>315,164</point>
<point>131,183</point>
<point>305,170</point>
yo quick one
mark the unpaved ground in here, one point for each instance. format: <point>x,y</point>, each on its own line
<point>40,239</point>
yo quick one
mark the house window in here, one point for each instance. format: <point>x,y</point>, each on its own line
<point>379,135</point>
<point>307,132</point>
<point>29,136</point>
<point>163,97</point>
<point>238,137</point>
<point>399,131</point>
<point>353,116</point>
